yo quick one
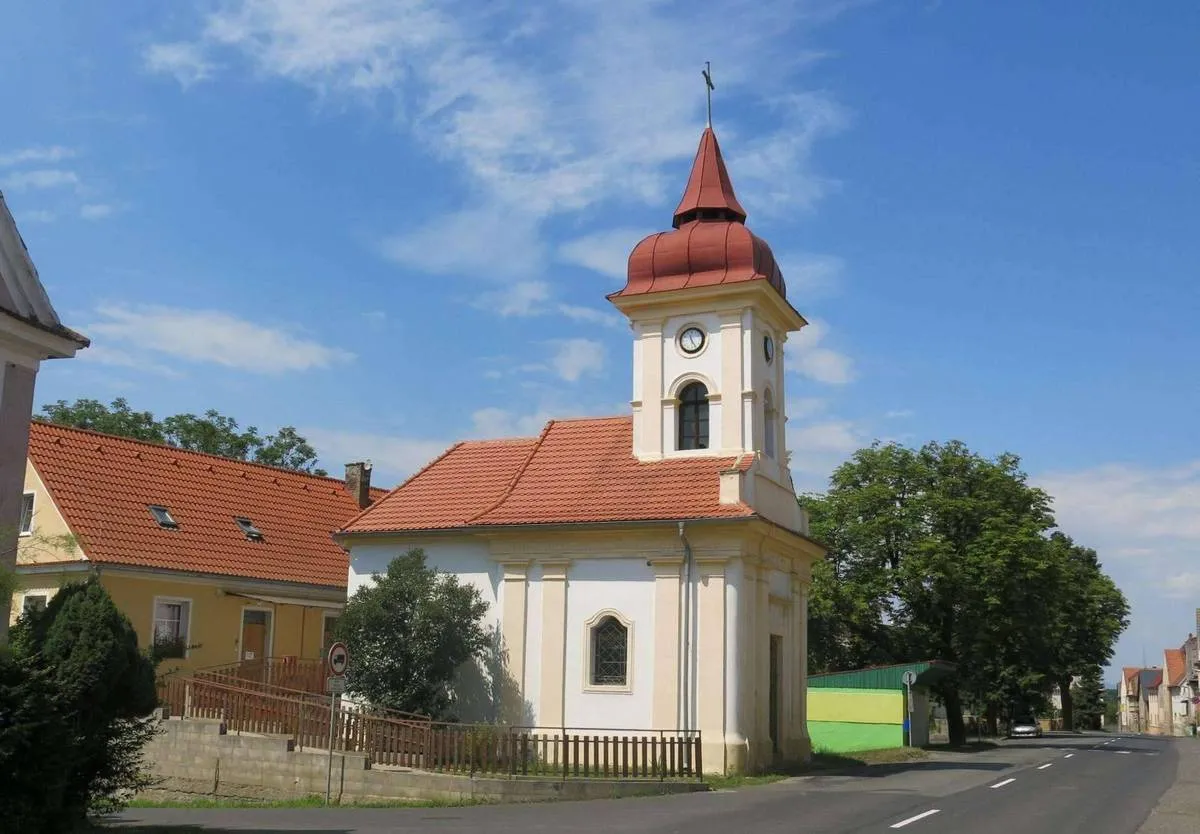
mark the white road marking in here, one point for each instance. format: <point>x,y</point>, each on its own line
<point>903,823</point>
<point>1069,755</point>
<point>1046,765</point>
<point>1003,783</point>
<point>1124,752</point>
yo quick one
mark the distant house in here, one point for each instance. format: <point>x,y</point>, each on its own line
<point>1178,688</point>
<point>214,560</point>
<point>30,332</point>
<point>1133,713</point>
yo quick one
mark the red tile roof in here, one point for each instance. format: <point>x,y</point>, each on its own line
<point>1176,667</point>
<point>709,243</point>
<point>103,486</point>
<point>577,472</point>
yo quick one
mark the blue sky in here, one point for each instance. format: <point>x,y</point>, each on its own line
<point>392,223</point>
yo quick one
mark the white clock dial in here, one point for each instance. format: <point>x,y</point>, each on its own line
<point>691,340</point>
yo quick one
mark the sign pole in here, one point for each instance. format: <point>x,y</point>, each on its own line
<point>337,660</point>
<point>909,678</point>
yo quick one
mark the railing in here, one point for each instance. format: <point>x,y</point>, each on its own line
<point>298,674</point>
<point>417,742</point>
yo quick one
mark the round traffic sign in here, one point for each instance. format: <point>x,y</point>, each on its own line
<point>338,658</point>
<point>909,677</point>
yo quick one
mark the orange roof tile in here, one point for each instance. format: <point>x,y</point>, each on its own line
<point>1130,672</point>
<point>103,485</point>
<point>1176,667</point>
<point>577,472</point>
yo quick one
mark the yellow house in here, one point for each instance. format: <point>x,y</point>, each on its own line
<point>214,560</point>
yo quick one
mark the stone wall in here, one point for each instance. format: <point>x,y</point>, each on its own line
<point>196,758</point>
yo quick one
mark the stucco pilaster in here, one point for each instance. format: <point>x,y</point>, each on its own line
<point>667,643</point>
<point>731,381</point>
<point>710,654</point>
<point>513,618</point>
<point>554,643</point>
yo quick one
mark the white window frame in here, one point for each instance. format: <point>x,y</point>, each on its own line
<point>588,647</point>
<point>187,634</point>
<point>269,650</point>
<point>25,597</point>
<point>32,496</point>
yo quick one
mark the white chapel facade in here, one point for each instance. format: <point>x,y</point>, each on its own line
<point>646,572</point>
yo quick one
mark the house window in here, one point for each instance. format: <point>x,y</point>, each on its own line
<point>27,514</point>
<point>172,620</point>
<point>693,417</point>
<point>770,424</point>
<point>163,516</point>
<point>610,653</point>
<point>327,632</point>
<point>33,602</point>
<point>247,527</point>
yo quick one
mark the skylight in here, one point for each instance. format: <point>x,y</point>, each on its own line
<point>163,516</point>
<point>248,528</point>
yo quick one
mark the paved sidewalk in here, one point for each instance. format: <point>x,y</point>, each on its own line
<point>1178,811</point>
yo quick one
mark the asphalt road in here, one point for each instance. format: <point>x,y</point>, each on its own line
<point>1055,785</point>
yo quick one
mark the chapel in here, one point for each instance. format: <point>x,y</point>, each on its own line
<point>647,571</point>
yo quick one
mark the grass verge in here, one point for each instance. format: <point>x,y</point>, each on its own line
<point>822,762</point>
<point>299,802</point>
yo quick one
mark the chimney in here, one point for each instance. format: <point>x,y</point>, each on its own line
<point>358,483</point>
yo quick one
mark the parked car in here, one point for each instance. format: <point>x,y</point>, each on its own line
<point>1025,727</point>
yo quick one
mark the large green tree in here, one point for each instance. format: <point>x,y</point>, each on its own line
<point>408,633</point>
<point>1088,696</point>
<point>212,432</point>
<point>940,553</point>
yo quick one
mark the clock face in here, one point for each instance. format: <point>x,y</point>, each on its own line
<point>768,348</point>
<point>691,340</point>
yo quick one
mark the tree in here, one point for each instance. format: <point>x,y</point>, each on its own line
<point>409,633</point>
<point>940,553</point>
<point>1089,700</point>
<point>213,433</point>
<point>77,697</point>
<point>1091,614</point>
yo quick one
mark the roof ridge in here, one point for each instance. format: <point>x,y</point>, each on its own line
<point>401,485</point>
<point>169,448</point>
<point>512,483</point>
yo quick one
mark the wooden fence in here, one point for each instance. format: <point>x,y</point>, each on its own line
<point>418,742</point>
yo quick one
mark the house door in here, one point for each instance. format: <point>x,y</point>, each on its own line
<point>255,633</point>
<point>776,653</point>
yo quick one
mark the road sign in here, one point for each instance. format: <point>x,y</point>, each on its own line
<point>338,659</point>
<point>335,685</point>
<point>909,677</point>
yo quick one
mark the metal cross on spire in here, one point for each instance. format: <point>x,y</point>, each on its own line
<point>707,73</point>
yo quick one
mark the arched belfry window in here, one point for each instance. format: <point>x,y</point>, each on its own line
<point>693,417</point>
<point>770,424</point>
<point>610,652</point>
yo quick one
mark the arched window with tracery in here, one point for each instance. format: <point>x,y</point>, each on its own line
<point>693,417</point>
<point>610,653</point>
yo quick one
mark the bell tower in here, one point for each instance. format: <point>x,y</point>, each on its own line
<point>709,312</point>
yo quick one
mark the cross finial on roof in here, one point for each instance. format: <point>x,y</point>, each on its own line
<point>707,73</point>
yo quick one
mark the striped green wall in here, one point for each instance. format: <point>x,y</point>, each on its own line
<point>845,737</point>
<point>846,720</point>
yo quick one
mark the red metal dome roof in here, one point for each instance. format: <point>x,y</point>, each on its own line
<point>709,243</point>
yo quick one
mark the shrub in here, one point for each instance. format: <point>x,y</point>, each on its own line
<point>75,702</point>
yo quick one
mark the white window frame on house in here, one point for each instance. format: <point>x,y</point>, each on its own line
<point>27,530</point>
<point>187,633</point>
<point>25,598</point>
<point>589,630</point>
<point>326,616</point>
<point>269,648</point>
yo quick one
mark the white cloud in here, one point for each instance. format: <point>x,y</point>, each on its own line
<point>1184,586</point>
<point>805,356</point>
<point>393,457</point>
<point>542,108</point>
<point>495,422</point>
<point>810,276</point>
<point>604,252</point>
<point>40,178</point>
<point>97,211</point>
<point>899,413</point>
<point>38,216</point>
<point>51,153</point>
<point>109,355</point>
<point>805,407</point>
<point>186,62</point>
<point>575,358</point>
<point>534,298</point>
<point>210,336</point>
<point>818,448</point>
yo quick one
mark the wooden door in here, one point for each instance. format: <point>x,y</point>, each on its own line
<point>255,627</point>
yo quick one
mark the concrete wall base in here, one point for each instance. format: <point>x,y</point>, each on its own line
<point>192,758</point>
